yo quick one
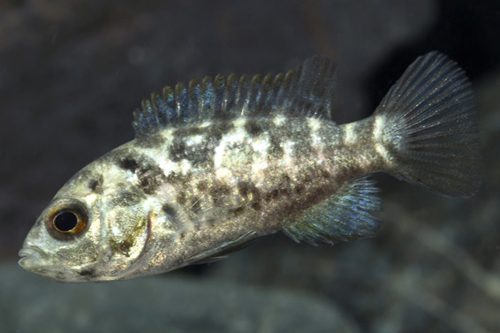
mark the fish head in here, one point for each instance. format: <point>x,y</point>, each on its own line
<point>95,229</point>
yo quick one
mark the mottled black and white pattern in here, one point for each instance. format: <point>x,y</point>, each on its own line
<point>217,163</point>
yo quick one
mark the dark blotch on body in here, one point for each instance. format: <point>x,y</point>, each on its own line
<point>216,131</point>
<point>151,177</point>
<point>299,189</point>
<point>202,186</point>
<point>199,153</point>
<point>277,193</point>
<point>237,211</point>
<point>177,150</point>
<point>181,198</point>
<point>173,216</point>
<point>325,174</point>
<point>272,195</point>
<point>218,192</point>
<point>196,154</point>
<point>176,178</point>
<point>243,189</point>
<point>195,205</point>
<point>95,184</point>
<point>256,205</point>
<point>282,188</point>
<point>151,141</point>
<point>126,198</point>
<point>123,247</point>
<point>189,131</point>
<point>169,210</point>
<point>307,178</point>
<point>275,148</point>
<point>251,193</point>
<point>88,272</point>
<point>128,163</point>
<point>253,127</point>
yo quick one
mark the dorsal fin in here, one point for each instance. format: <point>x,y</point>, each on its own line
<point>305,91</point>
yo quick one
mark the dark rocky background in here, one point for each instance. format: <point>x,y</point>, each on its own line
<point>72,71</point>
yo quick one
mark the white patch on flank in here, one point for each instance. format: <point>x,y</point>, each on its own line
<point>114,173</point>
<point>258,166</point>
<point>317,142</point>
<point>219,152</point>
<point>288,150</point>
<point>261,145</point>
<point>240,122</point>
<point>314,124</point>
<point>167,134</point>
<point>186,166</point>
<point>131,177</point>
<point>195,140</point>
<point>223,174</point>
<point>168,166</point>
<point>378,127</point>
<point>288,147</point>
<point>378,133</point>
<point>279,120</point>
<point>205,124</point>
<point>382,151</point>
<point>115,230</point>
<point>237,135</point>
<point>349,133</point>
<point>259,162</point>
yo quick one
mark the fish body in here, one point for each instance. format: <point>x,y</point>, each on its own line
<point>223,161</point>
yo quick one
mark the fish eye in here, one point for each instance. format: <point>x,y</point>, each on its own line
<point>67,221</point>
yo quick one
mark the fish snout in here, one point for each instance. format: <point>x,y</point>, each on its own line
<point>31,256</point>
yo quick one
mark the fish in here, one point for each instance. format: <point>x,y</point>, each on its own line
<point>218,162</point>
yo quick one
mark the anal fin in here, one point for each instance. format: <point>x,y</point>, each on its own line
<point>345,216</point>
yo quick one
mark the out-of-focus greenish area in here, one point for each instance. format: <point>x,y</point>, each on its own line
<point>71,72</point>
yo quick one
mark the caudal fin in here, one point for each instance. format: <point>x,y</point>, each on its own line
<point>430,128</point>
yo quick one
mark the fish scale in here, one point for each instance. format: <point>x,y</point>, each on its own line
<point>219,162</point>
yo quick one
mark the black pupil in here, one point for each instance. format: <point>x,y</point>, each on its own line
<point>66,221</point>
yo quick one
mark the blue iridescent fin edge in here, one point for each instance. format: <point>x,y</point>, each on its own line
<point>307,90</point>
<point>345,216</point>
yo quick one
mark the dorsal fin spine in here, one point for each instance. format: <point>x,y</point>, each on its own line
<point>208,96</point>
<point>230,93</point>
<point>264,92</point>
<point>181,107</point>
<point>194,98</point>
<point>274,93</point>
<point>304,91</point>
<point>243,94</point>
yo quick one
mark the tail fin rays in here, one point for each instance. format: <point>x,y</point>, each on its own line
<point>431,127</point>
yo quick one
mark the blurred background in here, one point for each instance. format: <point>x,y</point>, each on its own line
<point>72,71</point>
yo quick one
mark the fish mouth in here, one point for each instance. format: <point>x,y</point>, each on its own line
<point>30,256</point>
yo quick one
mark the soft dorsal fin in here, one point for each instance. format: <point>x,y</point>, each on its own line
<point>305,91</point>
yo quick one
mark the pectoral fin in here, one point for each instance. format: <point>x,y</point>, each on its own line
<point>222,251</point>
